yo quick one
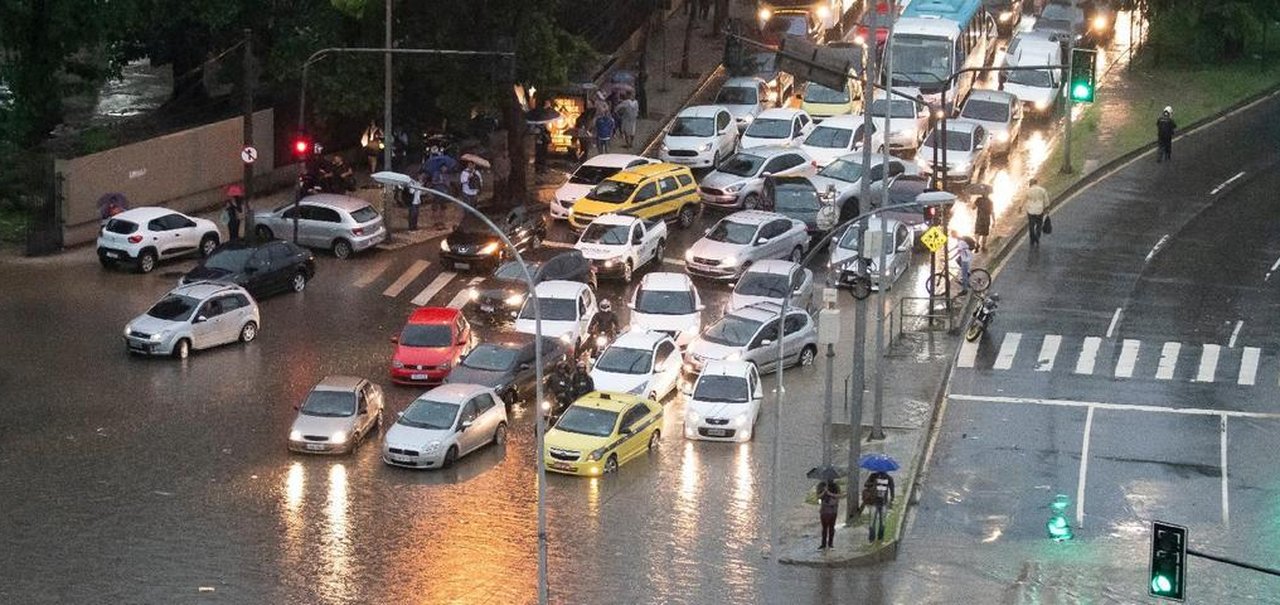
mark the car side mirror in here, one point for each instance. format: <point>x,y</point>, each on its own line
<point>462,341</point>
<point>364,408</point>
<point>762,241</point>
<point>706,231</point>
<point>466,424</point>
<point>903,246</point>
<point>637,239</point>
<point>699,307</point>
<point>525,365</point>
<point>200,319</point>
<point>625,431</point>
<point>766,342</point>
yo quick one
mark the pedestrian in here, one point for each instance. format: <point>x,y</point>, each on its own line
<point>1036,200</point>
<point>704,8</point>
<point>582,135</point>
<point>628,112</point>
<point>415,204</point>
<point>983,209</point>
<point>605,125</point>
<point>234,209</point>
<point>472,182</point>
<point>642,97</point>
<point>1165,127</point>
<point>877,493</point>
<point>795,102</point>
<point>542,146</point>
<point>964,258</point>
<point>372,143</point>
<point>828,509</point>
<point>582,383</point>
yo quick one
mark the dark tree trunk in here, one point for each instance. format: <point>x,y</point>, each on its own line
<point>517,181</point>
<point>35,81</point>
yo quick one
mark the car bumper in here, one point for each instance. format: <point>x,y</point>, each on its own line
<point>319,447</point>
<point>365,242</point>
<point>903,141</point>
<point>411,376</point>
<point>147,347</point>
<point>708,432</point>
<point>115,254</point>
<point>582,468</point>
<point>726,200</point>
<point>560,209</point>
<point>708,272</point>
<point>413,458</point>
<point>454,260</point>
<point>610,268</point>
<point>701,159</point>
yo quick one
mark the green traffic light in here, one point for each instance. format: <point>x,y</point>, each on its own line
<point>1160,584</point>
<point>1058,527</point>
<point>1080,92</point>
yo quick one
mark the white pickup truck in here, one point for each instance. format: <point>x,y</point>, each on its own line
<point>618,244</point>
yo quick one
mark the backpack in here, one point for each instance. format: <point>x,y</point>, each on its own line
<point>474,180</point>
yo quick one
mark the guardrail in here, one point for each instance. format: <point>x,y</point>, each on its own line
<point>938,313</point>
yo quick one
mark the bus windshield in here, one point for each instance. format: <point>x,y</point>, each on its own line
<point>921,61</point>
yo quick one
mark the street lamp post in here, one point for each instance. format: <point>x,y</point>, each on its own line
<point>393,180</point>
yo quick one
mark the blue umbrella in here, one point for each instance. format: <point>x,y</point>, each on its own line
<point>437,163</point>
<point>878,463</point>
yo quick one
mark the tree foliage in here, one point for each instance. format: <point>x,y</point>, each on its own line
<point>1200,31</point>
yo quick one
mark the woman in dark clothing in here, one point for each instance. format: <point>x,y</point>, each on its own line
<point>828,507</point>
<point>982,221</point>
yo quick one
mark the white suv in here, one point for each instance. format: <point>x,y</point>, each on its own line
<point>143,236</point>
<point>195,316</point>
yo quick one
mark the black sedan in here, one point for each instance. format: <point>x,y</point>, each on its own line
<point>262,269</point>
<point>904,189</point>
<point>473,245</point>
<point>506,364</point>
<point>498,296</point>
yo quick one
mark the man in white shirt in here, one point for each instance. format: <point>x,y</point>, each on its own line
<point>471,184</point>
<point>1037,201</point>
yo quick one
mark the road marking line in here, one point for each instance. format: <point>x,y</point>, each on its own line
<point>1115,319</point>
<point>968,354</point>
<point>1249,366</point>
<point>1231,344</point>
<point>673,261</point>
<point>551,244</point>
<point>1168,360</point>
<point>1128,358</point>
<point>1117,407</point>
<point>1222,449</point>
<point>1157,247</point>
<point>406,278</point>
<point>1008,349</point>
<point>434,288</point>
<point>1088,355</point>
<point>463,296</point>
<point>1048,352</point>
<point>1226,182</point>
<point>1084,467</point>
<point>1208,363</point>
<point>372,273</point>
<point>1272,270</point>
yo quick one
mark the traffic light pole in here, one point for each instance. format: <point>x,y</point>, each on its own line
<point>1066,156</point>
<point>1229,561</point>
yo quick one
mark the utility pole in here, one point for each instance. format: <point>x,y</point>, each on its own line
<point>388,141</point>
<point>777,427</point>
<point>1066,156</point>
<point>877,415</point>
<point>247,102</point>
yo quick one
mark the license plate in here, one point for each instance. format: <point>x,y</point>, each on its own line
<point>462,265</point>
<point>716,432</point>
<point>113,254</point>
<point>417,377</point>
<point>486,308</point>
<point>401,458</point>
<point>564,466</point>
<point>315,447</point>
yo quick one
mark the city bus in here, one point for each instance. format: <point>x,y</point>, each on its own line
<point>934,40</point>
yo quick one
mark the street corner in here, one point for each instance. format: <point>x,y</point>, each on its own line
<point>800,542</point>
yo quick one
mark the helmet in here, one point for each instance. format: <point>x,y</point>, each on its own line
<point>1168,110</point>
<point>995,297</point>
<point>605,305</point>
<point>582,365</point>
<point>235,190</point>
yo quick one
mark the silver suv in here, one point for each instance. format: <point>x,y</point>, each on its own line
<point>742,238</point>
<point>340,223</point>
<point>751,334</point>
<point>195,316</point>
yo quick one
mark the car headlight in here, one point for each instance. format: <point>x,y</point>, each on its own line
<point>473,294</point>
<point>489,248</point>
<point>638,388</point>
<point>747,118</point>
<point>665,148</point>
<point>339,437</point>
<point>601,341</point>
<point>705,147</point>
<point>688,256</point>
<point>446,365</point>
<point>764,14</point>
<point>514,300</point>
<point>397,364</point>
<point>1002,137</point>
<point>295,435</point>
<point>824,11</point>
<point>157,337</point>
<point>1099,22</point>
<point>1042,104</point>
<point>740,420</point>
<point>430,448</point>
<point>734,188</point>
<point>609,263</point>
<point>731,261</point>
<point>960,167</point>
<point>693,417</point>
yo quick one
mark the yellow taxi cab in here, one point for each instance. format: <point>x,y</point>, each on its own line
<point>655,191</point>
<point>601,431</point>
<point>822,102</point>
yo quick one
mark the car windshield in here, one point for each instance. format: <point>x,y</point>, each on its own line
<point>986,111</point>
<point>230,259</point>
<point>587,421</point>
<point>829,137</point>
<point>900,108</point>
<point>732,330</point>
<point>592,175</point>
<point>849,241</point>
<point>364,215</point>
<point>843,169</point>
<point>428,414</point>
<point>721,389</point>
<point>490,357</point>
<point>795,197</point>
<point>741,164</point>
<point>769,128</point>
<point>174,307</point>
<point>817,93</point>
<point>619,360</point>
<point>790,25</point>
<point>473,224</point>
<point>1037,78</point>
<point>612,191</point>
<point>426,335</point>
<point>738,95</point>
<point>553,309</point>
<point>756,283</point>
<point>121,226</point>
<point>511,271</point>
<point>920,61</point>
<point>664,302</point>
<point>731,232</point>
<point>693,127</point>
<point>956,140</point>
<point>332,404</point>
<point>598,233</point>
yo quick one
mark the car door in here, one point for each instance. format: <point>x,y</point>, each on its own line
<point>166,241</point>
<point>778,245</point>
<point>756,392</point>
<point>726,137</point>
<point>468,428</point>
<point>207,325</point>
<point>803,295</point>
<point>900,257</point>
<point>667,188</point>
<point>327,224</point>
<point>463,337</point>
<point>762,350</point>
<point>633,443</point>
<point>185,230</point>
<point>364,412</point>
<point>488,417</point>
<point>645,205</point>
<point>666,364</point>
<point>586,312</point>
<point>525,377</point>
<point>793,335</point>
<point>259,273</point>
<point>284,264</point>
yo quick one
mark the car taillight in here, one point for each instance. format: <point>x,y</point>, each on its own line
<point>135,239</point>
<point>357,231</point>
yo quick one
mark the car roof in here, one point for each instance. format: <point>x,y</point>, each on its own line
<point>639,339</point>
<point>615,219</point>
<point>640,173</point>
<point>338,383</point>
<point>701,111</point>
<point>753,217</point>
<point>433,315</point>
<point>772,265</point>
<point>719,367</point>
<point>337,201</point>
<point>769,152</point>
<point>608,400</point>
<point>244,244</point>
<point>205,289</point>
<point>666,281</point>
<point>742,81</point>
<point>559,288</point>
<point>850,121</point>
<point>144,213</point>
<point>614,160</point>
<point>761,311</point>
<point>1033,43</point>
<point>453,392</point>
<point>780,113</point>
<point>998,96</point>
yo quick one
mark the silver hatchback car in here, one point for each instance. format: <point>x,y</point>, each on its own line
<point>751,334</point>
<point>195,316</point>
<point>739,180</point>
<point>741,238</point>
<point>340,223</point>
<point>336,416</point>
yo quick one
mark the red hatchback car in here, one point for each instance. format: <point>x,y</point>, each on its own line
<point>431,344</point>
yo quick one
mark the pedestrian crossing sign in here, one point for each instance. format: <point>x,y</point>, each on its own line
<point>933,238</point>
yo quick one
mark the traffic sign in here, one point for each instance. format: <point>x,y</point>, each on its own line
<point>248,154</point>
<point>933,238</point>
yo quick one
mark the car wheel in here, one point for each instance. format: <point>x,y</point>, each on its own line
<point>655,440</point>
<point>264,233</point>
<point>249,332</point>
<point>450,457</point>
<point>208,244</point>
<point>808,355</point>
<point>611,465</point>
<point>751,202</point>
<point>627,272</point>
<point>299,282</point>
<point>796,254</point>
<point>146,261</point>
<point>686,216</point>
<point>182,349</point>
<point>500,435</point>
<point>660,254</point>
<point>342,249</point>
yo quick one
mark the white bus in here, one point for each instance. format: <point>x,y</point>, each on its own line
<point>934,40</point>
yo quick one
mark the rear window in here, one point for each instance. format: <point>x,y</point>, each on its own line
<point>365,214</point>
<point>121,226</point>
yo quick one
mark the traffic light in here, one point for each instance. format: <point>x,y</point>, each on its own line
<point>1058,526</point>
<point>301,147</point>
<point>1168,560</point>
<point>1084,71</point>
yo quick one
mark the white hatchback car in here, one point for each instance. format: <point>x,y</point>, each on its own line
<point>588,175</point>
<point>838,136</point>
<point>766,281</point>
<point>725,402</point>
<point>645,364</point>
<point>667,303</point>
<point>194,316</point>
<point>444,424</point>
<point>783,127</point>
<point>143,236</point>
<point>336,416</point>
<point>700,137</point>
<point>567,309</point>
<point>897,250</point>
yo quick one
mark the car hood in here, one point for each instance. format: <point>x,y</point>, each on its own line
<point>717,409</point>
<point>622,383</point>
<point>677,142</point>
<point>741,111</point>
<point>992,127</point>
<point>820,183</point>
<point>710,350</point>
<point>705,248</point>
<point>153,325</point>
<point>414,438</point>
<point>489,378</point>
<point>660,322</point>
<point>469,238</point>
<point>600,251</point>
<point>1030,94</point>
<point>721,180</point>
<point>575,441</point>
<point>322,425</point>
<point>499,289</point>
<point>550,329</point>
<point>428,356</point>
<point>825,155</point>
<point>571,192</point>
<point>203,273</point>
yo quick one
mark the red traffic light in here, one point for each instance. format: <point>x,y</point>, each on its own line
<point>301,146</point>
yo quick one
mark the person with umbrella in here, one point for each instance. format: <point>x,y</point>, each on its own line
<point>828,510</point>
<point>984,212</point>
<point>472,182</point>
<point>233,208</point>
<point>877,491</point>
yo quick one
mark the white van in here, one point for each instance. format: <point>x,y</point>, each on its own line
<point>1038,90</point>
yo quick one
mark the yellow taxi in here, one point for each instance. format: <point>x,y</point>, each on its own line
<point>656,191</point>
<point>601,431</point>
<point>822,102</point>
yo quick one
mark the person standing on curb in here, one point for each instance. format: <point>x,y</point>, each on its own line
<point>605,126</point>
<point>628,111</point>
<point>415,204</point>
<point>471,184</point>
<point>1165,127</point>
<point>983,211</point>
<point>828,510</point>
<point>234,208</point>
<point>1037,201</point>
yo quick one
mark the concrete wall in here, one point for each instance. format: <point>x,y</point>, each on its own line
<point>185,170</point>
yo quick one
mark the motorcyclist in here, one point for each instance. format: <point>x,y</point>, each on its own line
<point>582,383</point>
<point>603,325</point>
<point>562,385</point>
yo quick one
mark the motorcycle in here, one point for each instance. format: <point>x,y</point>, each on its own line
<point>594,345</point>
<point>982,318</point>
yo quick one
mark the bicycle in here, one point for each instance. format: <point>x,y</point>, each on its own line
<point>979,281</point>
<point>855,276</point>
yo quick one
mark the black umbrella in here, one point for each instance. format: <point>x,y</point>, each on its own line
<point>541,115</point>
<point>825,473</point>
<point>111,204</point>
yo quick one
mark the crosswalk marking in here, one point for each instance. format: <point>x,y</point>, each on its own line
<point>1128,358</point>
<point>1008,350</point>
<point>1249,366</point>
<point>1048,352</point>
<point>1088,355</point>
<point>1168,360</point>
<point>372,273</point>
<point>464,295</point>
<point>968,353</point>
<point>406,278</point>
<point>434,288</point>
<point>1208,363</point>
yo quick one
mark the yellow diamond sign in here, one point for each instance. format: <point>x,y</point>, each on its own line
<point>933,239</point>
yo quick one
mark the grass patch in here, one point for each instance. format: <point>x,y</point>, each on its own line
<point>13,225</point>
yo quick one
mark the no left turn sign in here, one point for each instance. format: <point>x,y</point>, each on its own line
<point>248,154</point>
